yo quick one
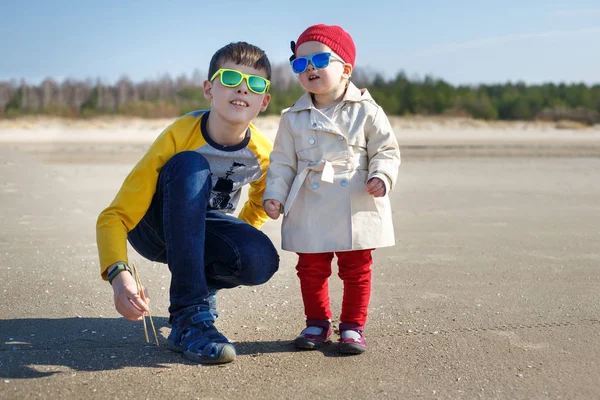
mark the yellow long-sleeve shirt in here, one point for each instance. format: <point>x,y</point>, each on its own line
<point>232,167</point>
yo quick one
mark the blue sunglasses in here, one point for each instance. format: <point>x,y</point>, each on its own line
<point>318,60</point>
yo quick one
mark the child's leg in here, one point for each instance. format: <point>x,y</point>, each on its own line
<point>176,220</point>
<point>173,229</point>
<point>237,253</point>
<point>184,187</point>
<point>355,271</point>
<point>314,271</point>
<point>204,249</point>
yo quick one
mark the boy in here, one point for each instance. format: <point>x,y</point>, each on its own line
<point>173,207</point>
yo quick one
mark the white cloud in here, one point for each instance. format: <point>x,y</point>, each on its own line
<point>471,44</point>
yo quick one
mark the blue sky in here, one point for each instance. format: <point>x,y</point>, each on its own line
<point>463,42</point>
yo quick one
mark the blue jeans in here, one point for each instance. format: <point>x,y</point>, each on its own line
<point>203,248</point>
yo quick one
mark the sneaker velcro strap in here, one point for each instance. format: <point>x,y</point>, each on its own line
<point>195,340</point>
<point>195,343</point>
<point>201,317</point>
<point>322,323</point>
<point>351,326</point>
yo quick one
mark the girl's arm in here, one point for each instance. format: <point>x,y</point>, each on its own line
<point>283,164</point>
<point>383,150</point>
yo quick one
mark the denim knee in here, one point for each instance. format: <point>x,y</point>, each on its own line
<point>262,261</point>
<point>186,162</point>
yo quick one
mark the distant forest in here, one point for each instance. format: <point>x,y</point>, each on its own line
<point>171,97</point>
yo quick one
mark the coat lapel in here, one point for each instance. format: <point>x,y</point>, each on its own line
<point>318,120</point>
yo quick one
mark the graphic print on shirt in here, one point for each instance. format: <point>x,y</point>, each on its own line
<point>220,195</point>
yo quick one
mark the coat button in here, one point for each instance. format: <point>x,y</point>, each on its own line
<point>315,185</point>
<point>314,124</point>
<point>311,141</point>
<point>344,182</point>
<point>340,138</point>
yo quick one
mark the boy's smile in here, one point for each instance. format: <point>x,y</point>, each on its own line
<point>239,103</point>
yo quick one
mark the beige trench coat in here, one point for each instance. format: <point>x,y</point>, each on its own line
<point>319,169</point>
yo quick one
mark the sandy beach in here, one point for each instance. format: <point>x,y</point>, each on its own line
<point>124,139</point>
<point>409,130</point>
<point>490,292</point>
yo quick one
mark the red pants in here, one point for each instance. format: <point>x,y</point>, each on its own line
<point>354,269</point>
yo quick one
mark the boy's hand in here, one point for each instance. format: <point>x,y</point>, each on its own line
<point>127,302</point>
<point>376,187</point>
<point>273,208</point>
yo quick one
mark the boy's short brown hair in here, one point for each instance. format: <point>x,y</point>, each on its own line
<point>240,53</point>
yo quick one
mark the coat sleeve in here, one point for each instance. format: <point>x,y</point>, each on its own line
<point>382,148</point>
<point>283,165</point>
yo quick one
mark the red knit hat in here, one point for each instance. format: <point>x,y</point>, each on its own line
<point>333,36</point>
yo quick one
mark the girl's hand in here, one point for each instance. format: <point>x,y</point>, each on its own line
<point>128,302</point>
<point>376,187</point>
<point>272,208</point>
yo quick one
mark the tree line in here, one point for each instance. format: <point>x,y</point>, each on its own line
<point>400,95</point>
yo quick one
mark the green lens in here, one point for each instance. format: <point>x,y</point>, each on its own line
<point>231,78</point>
<point>257,84</point>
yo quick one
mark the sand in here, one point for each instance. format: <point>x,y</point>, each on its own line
<point>490,292</point>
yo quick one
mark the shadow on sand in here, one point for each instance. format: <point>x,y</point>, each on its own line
<point>34,348</point>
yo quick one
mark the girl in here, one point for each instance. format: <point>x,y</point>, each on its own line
<point>334,161</point>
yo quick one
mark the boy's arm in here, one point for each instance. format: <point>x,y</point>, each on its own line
<point>131,202</point>
<point>252,212</point>
<point>383,150</point>
<point>283,165</point>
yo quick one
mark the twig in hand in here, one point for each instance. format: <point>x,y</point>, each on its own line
<point>138,283</point>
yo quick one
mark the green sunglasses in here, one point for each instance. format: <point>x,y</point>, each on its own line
<point>232,78</point>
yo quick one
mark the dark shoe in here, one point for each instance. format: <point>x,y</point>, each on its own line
<point>316,332</point>
<point>352,338</point>
<point>193,333</point>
